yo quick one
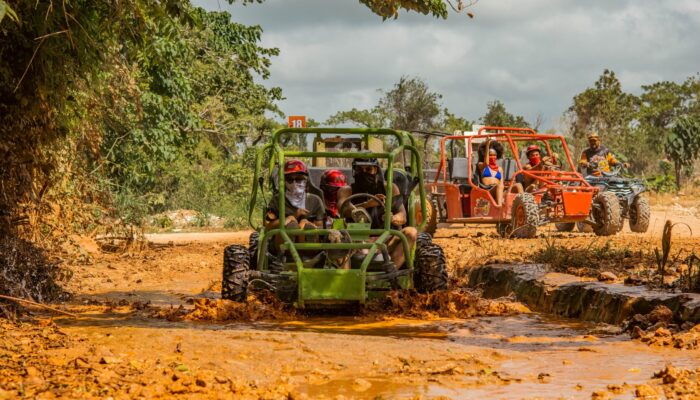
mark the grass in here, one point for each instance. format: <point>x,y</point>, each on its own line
<point>590,256</point>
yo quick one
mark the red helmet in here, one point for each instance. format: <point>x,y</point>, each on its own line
<point>295,167</point>
<point>531,148</point>
<point>333,178</point>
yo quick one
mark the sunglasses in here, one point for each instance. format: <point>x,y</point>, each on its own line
<point>368,169</point>
<point>292,179</point>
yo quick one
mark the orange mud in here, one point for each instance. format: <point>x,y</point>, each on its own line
<point>151,326</point>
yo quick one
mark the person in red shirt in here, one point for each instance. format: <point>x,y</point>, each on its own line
<point>331,181</point>
<point>537,163</point>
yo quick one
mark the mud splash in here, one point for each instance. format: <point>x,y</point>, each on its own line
<point>259,306</point>
<point>443,304</point>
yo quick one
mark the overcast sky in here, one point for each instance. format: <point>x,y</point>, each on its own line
<point>533,55</point>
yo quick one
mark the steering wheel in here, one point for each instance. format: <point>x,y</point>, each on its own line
<point>360,214</point>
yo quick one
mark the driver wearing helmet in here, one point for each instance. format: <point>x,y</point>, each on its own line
<point>301,209</point>
<point>537,163</point>
<point>368,178</point>
<point>596,153</point>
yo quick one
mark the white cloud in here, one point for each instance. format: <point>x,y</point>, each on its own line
<point>535,55</point>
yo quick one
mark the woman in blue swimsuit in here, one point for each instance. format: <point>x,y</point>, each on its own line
<point>489,171</point>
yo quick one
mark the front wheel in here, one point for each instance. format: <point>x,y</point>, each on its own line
<point>234,283</point>
<point>525,216</point>
<point>430,273</point>
<point>607,214</point>
<point>640,214</point>
<point>431,217</point>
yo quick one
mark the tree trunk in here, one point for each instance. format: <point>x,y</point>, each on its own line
<point>677,166</point>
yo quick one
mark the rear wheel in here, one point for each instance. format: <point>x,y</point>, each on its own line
<point>253,249</point>
<point>503,229</point>
<point>430,268</point>
<point>525,216</point>
<point>565,226</point>
<point>640,213</point>
<point>234,285</point>
<point>584,227</point>
<point>607,214</point>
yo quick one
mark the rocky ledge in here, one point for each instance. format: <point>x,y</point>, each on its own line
<point>575,297</point>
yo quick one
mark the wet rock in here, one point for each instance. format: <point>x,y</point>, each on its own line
<point>669,375</point>
<point>687,325</point>
<point>607,276</point>
<point>660,313</point>
<point>637,333</point>
<point>616,389</point>
<point>646,392</point>
<point>569,296</point>
<point>361,385</point>
<point>663,332</point>
<point>110,360</point>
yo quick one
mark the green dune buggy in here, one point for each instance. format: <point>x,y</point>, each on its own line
<point>319,280</point>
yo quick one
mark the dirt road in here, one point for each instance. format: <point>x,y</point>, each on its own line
<point>119,348</point>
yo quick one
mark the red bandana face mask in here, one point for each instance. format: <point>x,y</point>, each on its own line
<point>535,160</point>
<point>492,162</point>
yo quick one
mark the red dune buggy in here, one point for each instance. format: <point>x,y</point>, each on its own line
<point>556,193</point>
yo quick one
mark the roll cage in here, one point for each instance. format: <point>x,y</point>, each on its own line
<point>276,155</point>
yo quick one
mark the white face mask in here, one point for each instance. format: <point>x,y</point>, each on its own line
<point>296,193</point>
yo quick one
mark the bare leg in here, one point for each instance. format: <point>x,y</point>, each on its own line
<point>396,249</point>
<point>499,194</point>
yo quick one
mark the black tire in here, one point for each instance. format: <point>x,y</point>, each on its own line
<point>640,214</point>
<point>253,249</point>
<point>565,226</point>
<point>584,227</point>
<point>423,239</point>
<point>431,217</point>
<point>608,216</point>
<point>525,216</point>
<point>430,269</point>
<point>234,284</point>
<point>503,229</point>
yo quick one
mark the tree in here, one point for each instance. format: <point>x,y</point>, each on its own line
<point>365,118</point>
<point>682,146</point>
<point>610,112</point>
<point>437,8</point>
<point>451,123</point>
<point>496,115</point>
<point>411,105</point>
<point>604,109</point>
<point>661,104</point>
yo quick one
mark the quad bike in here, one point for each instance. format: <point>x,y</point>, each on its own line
<point>330,272</point>
<point>633,205</point>
<point>557,194</point>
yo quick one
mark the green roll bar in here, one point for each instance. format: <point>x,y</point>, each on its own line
<point>406,142</point>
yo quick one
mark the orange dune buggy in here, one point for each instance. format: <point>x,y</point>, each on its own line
<point>555,194</point>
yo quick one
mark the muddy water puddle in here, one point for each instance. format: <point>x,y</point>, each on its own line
<point>521,356</point>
